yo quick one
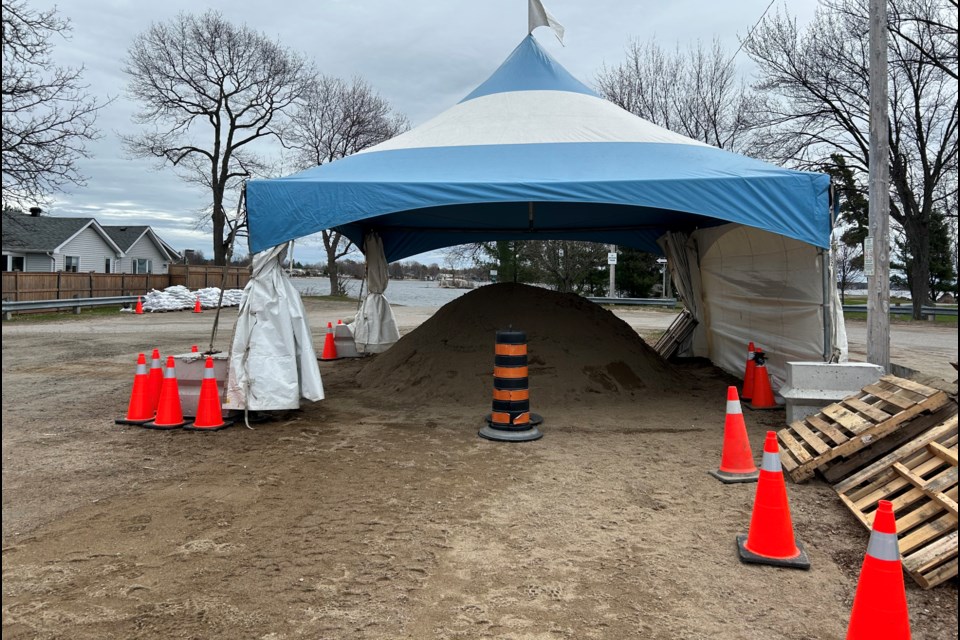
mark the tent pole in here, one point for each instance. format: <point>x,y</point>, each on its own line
<point>827,305</point>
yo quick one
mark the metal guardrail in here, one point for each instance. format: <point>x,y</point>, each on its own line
<point>646,302</point>
<point>905,310</point>
<point>67,303</point>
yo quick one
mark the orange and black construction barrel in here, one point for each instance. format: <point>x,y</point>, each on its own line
<point>511,419</point>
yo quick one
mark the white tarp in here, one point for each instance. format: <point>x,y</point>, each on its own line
<point>272,360</point>
<point>375,328</point>
<point>681,253</point>
<point>765,288</point>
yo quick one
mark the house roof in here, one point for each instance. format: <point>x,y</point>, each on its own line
<point>24,232</point>
<point>127,236</point>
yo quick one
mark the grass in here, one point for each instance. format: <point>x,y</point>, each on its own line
<point>863,300</point>
<point>56,316</point>
<point>940,320</point>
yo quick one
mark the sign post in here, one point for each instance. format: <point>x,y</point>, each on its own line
<point>612,264</point>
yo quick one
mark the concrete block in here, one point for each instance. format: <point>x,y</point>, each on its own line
<point>190,368</point>
<point>811,386</point>
<point>343,340</point>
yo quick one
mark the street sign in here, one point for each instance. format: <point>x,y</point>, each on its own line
<point>612,257</point>
<point>868,268</point>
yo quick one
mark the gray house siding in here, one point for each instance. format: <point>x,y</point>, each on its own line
<point>144,248</point>
<point>90,247</point>
<point>38,262</point>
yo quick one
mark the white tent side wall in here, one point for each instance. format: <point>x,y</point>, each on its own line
<point>769,289</point>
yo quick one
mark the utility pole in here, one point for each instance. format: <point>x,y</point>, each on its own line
<point>877,249</point>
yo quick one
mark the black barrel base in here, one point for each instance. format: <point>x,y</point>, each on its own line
<point>133,422</point>
<point>500,435</point>
<point>733,478</point>
<point>222,425</point>
<point>162,427</point>
<point>535,419</point>
<point>799,562</point>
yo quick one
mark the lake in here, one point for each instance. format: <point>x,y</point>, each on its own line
<point>411,293</point>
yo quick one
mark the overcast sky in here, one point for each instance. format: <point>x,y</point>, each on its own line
<point>423,57</point>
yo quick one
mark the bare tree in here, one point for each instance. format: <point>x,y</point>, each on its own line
<point>335,119</point>
<point>848,265</point>
<point>48,116</point>
<point>694,92</point>
<point>930,28</point>
<point>565,264</point>
<point>816,83</point>
<point>210,89</point>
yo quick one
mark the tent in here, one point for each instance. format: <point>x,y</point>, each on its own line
<point>533,153</point>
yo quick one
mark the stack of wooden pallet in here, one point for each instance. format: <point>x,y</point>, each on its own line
<point>675,335</point>
<point>895,440</point>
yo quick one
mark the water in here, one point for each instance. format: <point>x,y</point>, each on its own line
<point>410,293</point>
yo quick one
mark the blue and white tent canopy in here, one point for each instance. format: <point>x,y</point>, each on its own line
<point>532,153</point>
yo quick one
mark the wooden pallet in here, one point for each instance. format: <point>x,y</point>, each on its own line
<point>678,331</point>
<point>920,478</point>
<point>844,428</point>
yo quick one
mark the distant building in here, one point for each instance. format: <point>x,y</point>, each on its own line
<point>36,243</point>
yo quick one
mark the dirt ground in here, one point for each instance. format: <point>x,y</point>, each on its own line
<point>373,517</point>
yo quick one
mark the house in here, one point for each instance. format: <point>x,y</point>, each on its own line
<point>36,243</point>
<point>143,250</point>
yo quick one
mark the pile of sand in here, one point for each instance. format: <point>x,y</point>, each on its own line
<point>578,351</point>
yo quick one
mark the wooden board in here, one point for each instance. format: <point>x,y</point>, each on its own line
<point>920,478</point>
<point>843,429</point>
<point>678,331</point>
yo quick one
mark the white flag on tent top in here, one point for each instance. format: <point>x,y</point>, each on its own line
<point>537,16</point>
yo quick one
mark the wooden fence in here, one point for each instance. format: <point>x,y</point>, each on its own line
<point>29,286</point>
<point>194,277</point>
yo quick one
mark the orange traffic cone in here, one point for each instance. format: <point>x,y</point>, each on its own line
<point>329,347</point>
<point>139,409</point>
<point>770,540</point>
<point>139,308</point>
<point>762,396</point>
<point>880,605</point>
<point>196,306</point>
<point>736,461</point>
<point>154,380</point>
<point>194,349</point>
<point>209,414</point>
<point>169,411</point>
<point>748,374</point>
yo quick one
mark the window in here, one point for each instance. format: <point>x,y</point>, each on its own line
<point>107,265</point>
<point>71,263</point>
<point>142,265</point>
<point>12,263</point>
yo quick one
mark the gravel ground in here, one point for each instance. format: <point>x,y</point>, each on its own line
<point>372,517</point>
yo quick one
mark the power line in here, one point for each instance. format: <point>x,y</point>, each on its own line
<point>750,33</point>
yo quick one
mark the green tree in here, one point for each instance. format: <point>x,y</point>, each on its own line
<point>854,206</point>
<point>943,272</point>
<point>637,272</point>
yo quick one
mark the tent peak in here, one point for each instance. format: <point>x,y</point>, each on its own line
<point>529,68</point>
